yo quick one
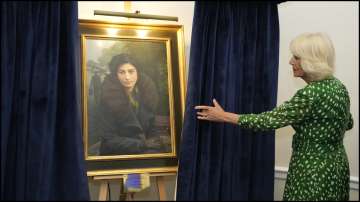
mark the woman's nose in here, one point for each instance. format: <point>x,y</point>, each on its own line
<point>291,61</point>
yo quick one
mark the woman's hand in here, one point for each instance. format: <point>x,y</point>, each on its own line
<point>210,113</point>
<point>153,143</point>
<point>216,114</point>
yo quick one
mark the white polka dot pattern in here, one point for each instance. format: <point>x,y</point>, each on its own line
<point>320,115</point>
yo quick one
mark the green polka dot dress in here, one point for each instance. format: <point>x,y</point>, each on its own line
<point>320,115</point>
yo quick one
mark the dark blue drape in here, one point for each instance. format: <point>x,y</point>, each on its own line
<point>41,144</point>
<point>234,58</point>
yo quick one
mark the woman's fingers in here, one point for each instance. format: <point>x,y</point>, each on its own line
<point>202,107</point>
<point>202,117</point>
<point>210,113</point>
<point>216,104</point>
<point>201,114</point>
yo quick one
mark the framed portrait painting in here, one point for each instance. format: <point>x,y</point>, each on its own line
<point>133,89</point>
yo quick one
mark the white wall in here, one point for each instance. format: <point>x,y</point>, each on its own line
<point>340,20</point>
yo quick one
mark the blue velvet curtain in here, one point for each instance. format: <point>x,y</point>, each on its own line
<point>41,144</point>
<point>233,58</point>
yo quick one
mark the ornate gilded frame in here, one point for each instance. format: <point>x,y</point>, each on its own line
<point>172,37</point>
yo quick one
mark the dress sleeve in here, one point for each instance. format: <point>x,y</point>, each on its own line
<point>297,109</point>
<point>350,123</point>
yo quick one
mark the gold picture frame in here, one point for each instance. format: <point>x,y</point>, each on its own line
<point>131,121</point>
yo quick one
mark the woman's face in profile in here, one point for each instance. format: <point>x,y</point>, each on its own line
<point>127,75</point>
<point>296,66</point>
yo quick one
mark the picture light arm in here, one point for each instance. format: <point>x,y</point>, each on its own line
<point>135,15</point>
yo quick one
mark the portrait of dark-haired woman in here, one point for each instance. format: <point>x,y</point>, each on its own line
<point>128,104</point>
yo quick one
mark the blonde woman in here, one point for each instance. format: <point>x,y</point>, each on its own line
<point>320,115</point>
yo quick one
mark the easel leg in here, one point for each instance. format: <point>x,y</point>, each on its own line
<point>123,194</point>
<point>103,191</point>
<point>161,187</point>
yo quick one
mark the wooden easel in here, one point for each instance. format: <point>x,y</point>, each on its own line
<point>104,183</point>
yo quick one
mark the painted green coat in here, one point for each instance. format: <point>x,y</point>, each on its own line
<point>320,115</point>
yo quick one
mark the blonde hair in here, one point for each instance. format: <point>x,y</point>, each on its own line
<point>316,53</point>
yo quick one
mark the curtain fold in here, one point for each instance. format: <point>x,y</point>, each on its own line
<point>233,58</point>
<point>41,144</point>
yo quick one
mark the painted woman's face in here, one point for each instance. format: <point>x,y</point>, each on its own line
<point>296,66</point>
<point>127,75</point>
